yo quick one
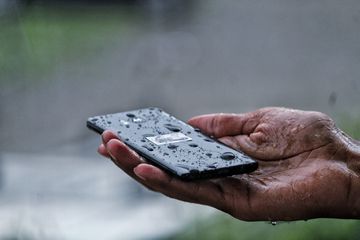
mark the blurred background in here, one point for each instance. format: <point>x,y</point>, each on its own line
<point>63,61</point>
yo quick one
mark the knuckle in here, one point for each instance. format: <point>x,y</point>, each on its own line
<point>321,120</point>
<point>214,125</point>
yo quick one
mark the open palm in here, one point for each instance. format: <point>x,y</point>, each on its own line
<point>301,174</point>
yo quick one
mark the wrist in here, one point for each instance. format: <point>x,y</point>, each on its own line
<point>353,164</point>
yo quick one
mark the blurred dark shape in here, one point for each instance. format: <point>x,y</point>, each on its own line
<point>163,13</point>
<point>168,15</point>
<point>72,2</point>
<point>158,4</point>
<point>332,99</point>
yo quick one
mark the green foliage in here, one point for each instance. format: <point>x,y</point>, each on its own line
<point>35,41</point>
<point>350,124</point>
<point>222,226</point>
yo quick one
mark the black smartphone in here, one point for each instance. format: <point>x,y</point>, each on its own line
<point>173,145</point>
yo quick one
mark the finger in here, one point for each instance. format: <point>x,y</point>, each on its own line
<point>250,149</point>
<point>107,136</point>
<point>102,151</point>
<point>123,156</point>
<point>229,141</point>
<point>202,192</point>
<point>220,125</point>
<point>253,141</point>
<point>255,145</point>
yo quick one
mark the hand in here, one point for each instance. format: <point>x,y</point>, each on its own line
<point>307,167</point>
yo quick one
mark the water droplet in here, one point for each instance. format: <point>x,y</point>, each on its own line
<point>208,140</point>
<point>227,156</point>
<point>109,122</point>
<point>193,145</point>
<point>172,128</point>
<point>194,171</point>
<point>208,154</point>
<point>130,115</point>
<point>197,129</point>
<point>148,135</point>
<point>137,120</point>
<point>183,166</point>
<point>94,119</point>
<point>213,165</point>
<point>172,146</point>
<point>148,147</point>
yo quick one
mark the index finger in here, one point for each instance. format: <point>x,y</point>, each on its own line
<point>202,191</point>
<point>227,124</point>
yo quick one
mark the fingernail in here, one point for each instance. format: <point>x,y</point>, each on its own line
<point>138,173</point>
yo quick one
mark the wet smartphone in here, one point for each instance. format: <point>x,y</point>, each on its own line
<point>173,145</point>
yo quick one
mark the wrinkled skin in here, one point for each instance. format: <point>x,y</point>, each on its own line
<point>307,167</point>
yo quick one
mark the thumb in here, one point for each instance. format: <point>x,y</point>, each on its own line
<point>220,124</point>
<point>254,145</point>
<point>242,143</point>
